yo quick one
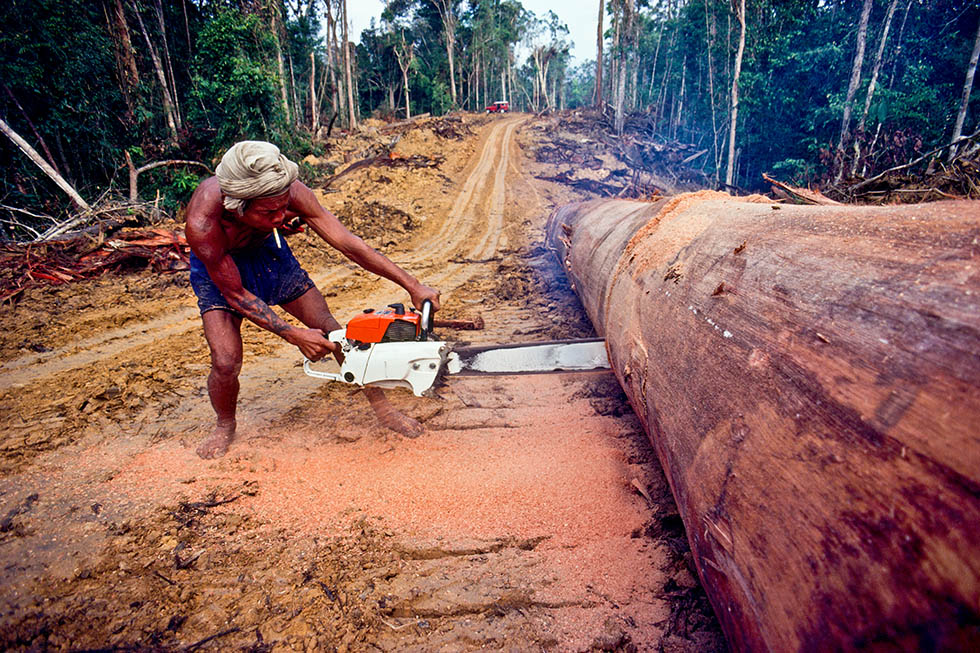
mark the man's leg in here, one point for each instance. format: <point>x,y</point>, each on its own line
<point>311,309</point>
<point>223,331</point>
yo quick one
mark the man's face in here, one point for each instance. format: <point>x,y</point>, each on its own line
<point>266,213</point>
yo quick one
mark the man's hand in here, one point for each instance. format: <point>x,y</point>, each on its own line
<point>422,293</point>
<point>312,342</point>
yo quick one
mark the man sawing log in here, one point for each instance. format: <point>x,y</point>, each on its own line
<point>240,267</point>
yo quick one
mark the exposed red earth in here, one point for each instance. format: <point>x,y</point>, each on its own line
<point>531,515</point>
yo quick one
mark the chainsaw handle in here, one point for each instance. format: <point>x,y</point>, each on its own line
<point>426,319</point>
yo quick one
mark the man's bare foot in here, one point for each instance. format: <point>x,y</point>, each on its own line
<point>390,417</point>
<point>217,444</point>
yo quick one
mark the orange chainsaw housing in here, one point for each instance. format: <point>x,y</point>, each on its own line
<point>392,324</point>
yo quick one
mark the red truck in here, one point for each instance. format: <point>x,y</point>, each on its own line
<point>499,107</point>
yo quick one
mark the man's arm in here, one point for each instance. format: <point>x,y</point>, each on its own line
<point>210,245</point>
<point>328,227</point>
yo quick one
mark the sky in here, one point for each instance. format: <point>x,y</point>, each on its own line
<point>579,15</point>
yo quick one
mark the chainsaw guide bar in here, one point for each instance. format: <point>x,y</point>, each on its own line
<point>390,348</point>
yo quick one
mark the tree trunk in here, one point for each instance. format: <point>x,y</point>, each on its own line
<point>810,380</point>
<point>166,59</point>
<point>332,60</point>
<point>597,92</point>
<point>730,172</point>
<point>347,71</point>
<point>276,33</point>
<point>625,30</point>
<point>129,76</point>
<point>39,161</point>
<point>314,106</point>
<point>879,58</point>
<point>404,53</point>
<point>967,90</point>
<point>709,37</point>
<point>168,109</point>
<point>852,87</point>
<point>445,9</point>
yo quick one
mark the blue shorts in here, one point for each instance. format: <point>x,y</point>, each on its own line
<point>270,273</point>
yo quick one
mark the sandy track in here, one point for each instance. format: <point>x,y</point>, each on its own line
<point>513,522</point>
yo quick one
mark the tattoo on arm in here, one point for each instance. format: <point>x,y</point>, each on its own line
<point>262,314</point>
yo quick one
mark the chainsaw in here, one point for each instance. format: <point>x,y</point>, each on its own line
<point>394,347</point>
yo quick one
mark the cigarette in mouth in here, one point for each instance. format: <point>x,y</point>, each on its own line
<point>275,232</point>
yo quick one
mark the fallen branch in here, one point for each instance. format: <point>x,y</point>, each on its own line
<point>135,172</point>
<point>391,160</point>
<point>801,195</point>
<point>45,167</point>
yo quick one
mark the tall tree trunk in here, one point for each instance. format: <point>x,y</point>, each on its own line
<point>597,92</point>
<point>332,59</point>
<point>680,101</point>
<point>187,28</point>
<point>404,53</point>
<point>347,70</point>
<point>129,76</point>
<point>879,58</point>
<point>855,82</point>
<point>635,69</point>
<point>709,37</point>
<point>39,161</point>
<point>656,56</point>
<point>314,107</point>
<point>445,9</point>
<point>967,90</point>
<point>276,33</point>
<point>166,58</point>
<point>168,110</point>
<point>740,15</point>
<point>625,45</point>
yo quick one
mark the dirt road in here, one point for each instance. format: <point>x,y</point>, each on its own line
<point>517,521</point>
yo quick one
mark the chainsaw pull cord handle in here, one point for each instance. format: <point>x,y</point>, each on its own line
<point>426,319</point>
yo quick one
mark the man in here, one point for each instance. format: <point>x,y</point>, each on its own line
<point>240,266</point>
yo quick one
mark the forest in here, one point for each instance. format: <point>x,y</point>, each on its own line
<point>134,99</point>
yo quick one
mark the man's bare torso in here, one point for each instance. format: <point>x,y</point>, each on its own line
<point>209,222</point>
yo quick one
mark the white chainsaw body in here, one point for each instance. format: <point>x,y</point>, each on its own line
<point>412,364</point>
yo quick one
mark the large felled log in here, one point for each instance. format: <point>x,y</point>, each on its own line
<point>810,378</point>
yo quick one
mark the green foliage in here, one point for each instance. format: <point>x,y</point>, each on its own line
<point>63,62</point>
<point>56,59</point>
<point>236,87</point>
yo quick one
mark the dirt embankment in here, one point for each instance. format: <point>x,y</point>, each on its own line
<point>531,515</point>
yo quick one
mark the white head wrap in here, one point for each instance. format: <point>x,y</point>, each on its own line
<point>252,169</point>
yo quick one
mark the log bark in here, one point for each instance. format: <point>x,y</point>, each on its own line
<point>809,378</point>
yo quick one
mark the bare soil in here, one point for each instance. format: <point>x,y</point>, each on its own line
<point>518,521</point>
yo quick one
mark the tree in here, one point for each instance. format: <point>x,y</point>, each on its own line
<point>449,21</point>
<point>855,81</point>
<point>733,122</point>
<point>168,103</point>
<point>971,70</point>
<point>598,56</point>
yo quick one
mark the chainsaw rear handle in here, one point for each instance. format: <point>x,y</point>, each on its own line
<point>426,319</point>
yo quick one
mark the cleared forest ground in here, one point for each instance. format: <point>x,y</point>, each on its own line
<point>514,522</point>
